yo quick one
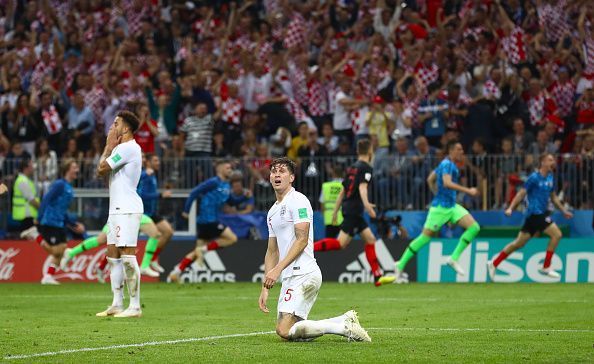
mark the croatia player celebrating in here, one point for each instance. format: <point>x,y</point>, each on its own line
<point>290,255</point>
<point>539,187</point>
<point>122,160</point>
<point>443,181</point>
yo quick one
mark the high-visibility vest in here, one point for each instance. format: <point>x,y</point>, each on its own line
<point>330,192</point>
<point>20,205</point>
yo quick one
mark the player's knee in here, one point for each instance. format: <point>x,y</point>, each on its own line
<point>283,331</point>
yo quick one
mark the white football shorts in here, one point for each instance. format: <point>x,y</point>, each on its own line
<point>123,230</point>
<point>299,293</point>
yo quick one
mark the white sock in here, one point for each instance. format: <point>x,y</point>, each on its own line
<point>116,277</point>
<point>309,329</point>
<point>132,272</point>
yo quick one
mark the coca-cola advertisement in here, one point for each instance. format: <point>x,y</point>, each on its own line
<point>25,261</point>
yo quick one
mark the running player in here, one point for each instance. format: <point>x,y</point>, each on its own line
<point>54,219</point>
<point>148,189</point>
<point>212,235</point>
<point>147,226</point>
<point>354,201</point>
<point>443,181</point>
<point>539,188</point>
<point>122,160</point>
<point>290,256</point>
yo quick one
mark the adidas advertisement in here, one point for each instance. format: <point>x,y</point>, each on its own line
<point>573,260</point>
<point>244,262</point>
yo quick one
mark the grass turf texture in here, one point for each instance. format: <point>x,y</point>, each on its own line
<point>417,323</point>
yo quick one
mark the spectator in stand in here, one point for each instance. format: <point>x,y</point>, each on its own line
<point>46,166</point>
<point>380,122</point>
<point>395,175</point>
<point>298,141</point>
<point>27,130</point>
<point>432,114</point>
<point>328,139</point>
<point>507,172</point>
<point>423,162</point>
<point>50,115</point>
<point>521,139</point>
<point>15,158</point>
<point>197,132</point>
<point>147,130</point>
<point>260,166</point>
<point>71,150</point>
<point>164,111</point>
<point>81,122</point>
<point>241,200</point>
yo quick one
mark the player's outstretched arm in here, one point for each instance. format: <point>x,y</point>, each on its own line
<point>448,183</point>
<point>559,205</point>
<point>516,201</point>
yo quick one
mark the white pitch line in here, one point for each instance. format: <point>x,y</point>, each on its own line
<point>207,338</point>
<point>478,329</point>
<point>138,345</point>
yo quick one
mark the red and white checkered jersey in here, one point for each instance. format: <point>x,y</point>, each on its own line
<point>51,119</point>
<point>40,71</point>
<point>70,72</point>
<point>491,90</point>
<point>298,83</point>
<point>413,105</point>
<point>514,46</point>
<point>539,107</point>
<point>96,100</point>
<point>553,18</point>
<point>297,111</point>
<point>317,101</point>
<point>473,31</point>
<point>427,75</point>
<point>296,30</point>
<point>134,17</point>
<point>470,58</point>
<point>563,94</point>
<point>358,119</point>
<point>231,111</point>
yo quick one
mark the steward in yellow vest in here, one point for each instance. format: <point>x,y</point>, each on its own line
<point>25,201</point>
<point>328,198</point>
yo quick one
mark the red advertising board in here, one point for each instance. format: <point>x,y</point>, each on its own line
<point>25,261</point>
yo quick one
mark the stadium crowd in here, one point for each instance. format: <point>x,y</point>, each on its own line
<point>258,79</point>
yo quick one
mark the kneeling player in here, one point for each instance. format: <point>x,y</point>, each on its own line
<point>290,255</point>
<point>539,187</point>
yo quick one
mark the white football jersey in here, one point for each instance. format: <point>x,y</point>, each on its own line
<point>126,164</point>
<point>295,208</point>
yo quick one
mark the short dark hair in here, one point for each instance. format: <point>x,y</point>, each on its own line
<point>363,146</point>
<point>284,161</point>
<point>451,144</point>
<point>219,162</point>
<point>130,119</point>
<point>24,163</point>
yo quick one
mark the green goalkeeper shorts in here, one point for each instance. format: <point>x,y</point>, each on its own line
<point>439,216</point>
<point>145,219</point>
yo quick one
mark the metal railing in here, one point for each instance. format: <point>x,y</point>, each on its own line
<point>399,182</point>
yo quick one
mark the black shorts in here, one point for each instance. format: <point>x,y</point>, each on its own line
<point>27,223</point>
<point>210,231</point>
<point>332,231</point>
<point>157,218</point>
<point>53,235</point>
<point>536,223</point>
<point>353,224</point>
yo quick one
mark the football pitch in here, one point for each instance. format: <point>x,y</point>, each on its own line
<point>221,323</point>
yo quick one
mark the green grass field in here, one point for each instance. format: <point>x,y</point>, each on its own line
<point>417,322</point>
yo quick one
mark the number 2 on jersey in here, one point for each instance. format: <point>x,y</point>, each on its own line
<point>117,229</point>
